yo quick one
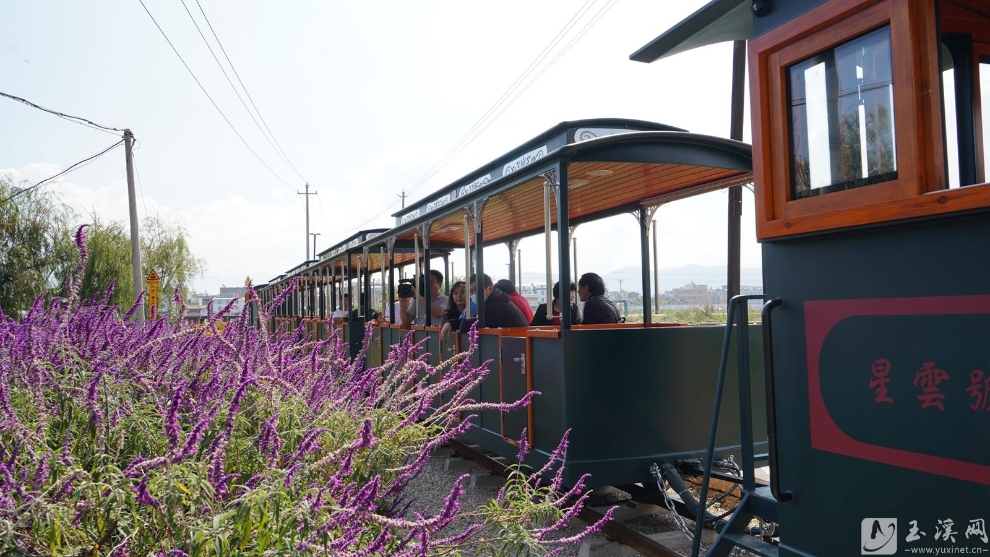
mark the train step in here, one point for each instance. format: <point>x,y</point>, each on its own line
<point>759,503</point>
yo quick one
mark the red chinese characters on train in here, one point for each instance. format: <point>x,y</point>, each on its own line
<point>928,378</point>
<point>881,371</point>
<point>978,389</point>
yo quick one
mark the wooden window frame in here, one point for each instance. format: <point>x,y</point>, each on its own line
<point>920,188</point>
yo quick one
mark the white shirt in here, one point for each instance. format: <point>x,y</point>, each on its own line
<point>439,302</point>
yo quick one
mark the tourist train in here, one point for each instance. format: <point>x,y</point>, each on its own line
<point>865,389</point>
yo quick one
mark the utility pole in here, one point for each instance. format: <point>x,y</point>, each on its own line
<point>307,194</point>
<point>403,196</point>
<point>135,242</point>
<point>314,235</point>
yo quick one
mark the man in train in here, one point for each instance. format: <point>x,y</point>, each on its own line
<point>438,303</point>
<point>340,313</point>
<point>499,309</point>
<point>597,308</point>
<point>505,285</point>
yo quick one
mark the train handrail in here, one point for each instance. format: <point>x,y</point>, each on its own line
<point>716,411</point>
<point>782,496</point>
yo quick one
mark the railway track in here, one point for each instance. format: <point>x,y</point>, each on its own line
<point>643,501</point>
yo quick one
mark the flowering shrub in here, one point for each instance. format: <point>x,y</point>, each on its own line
<point>180,440</point>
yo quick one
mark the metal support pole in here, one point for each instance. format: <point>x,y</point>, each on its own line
<point>321,287</point>
<point>735,192</point>
<point>644,253</point>
<point>391,282</point>
<point>656,272</point>
<point>136,275</point>
<point>366,298</point>
<point>519,266</point>
<point>547,189</point>
<point>467,264</point>
<point>563,234</point>
<point>511,244</point>
<point>427,301</point>
<point>574,248</point>
<point>416,274</point>
<point>479,260</point>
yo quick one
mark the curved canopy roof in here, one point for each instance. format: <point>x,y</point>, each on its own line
<point>604,175</point>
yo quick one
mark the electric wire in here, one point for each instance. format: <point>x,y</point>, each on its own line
<point>323,219</point>
<point>74,119</point>
<point>236,92</point>
<point>196,79</point>
<point>262,118</point>
<point>560,54</point>
<point>137,175</point>
<point>465,140</point>
<point>468,137</point>
<point>79,164</point>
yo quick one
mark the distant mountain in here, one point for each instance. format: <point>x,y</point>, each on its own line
<point>670,278</point>
<point>675,277</point>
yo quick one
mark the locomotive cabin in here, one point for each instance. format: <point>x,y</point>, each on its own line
<point>869,161</point>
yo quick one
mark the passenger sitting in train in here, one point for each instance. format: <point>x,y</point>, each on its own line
<point>456,304</point>
<point>540,317</point>
<point>597,308</point>
<point>505,285</point>
<point>499,310</point>
<point>341,313</point>
<point>438,302</point>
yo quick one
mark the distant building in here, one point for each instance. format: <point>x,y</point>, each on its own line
<point>232,291</point>
<point>694,295</point>
<point>535,294</point>
<point>216,304</point>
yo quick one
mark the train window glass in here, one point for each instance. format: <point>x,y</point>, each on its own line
<point>842,117</point>
<point>985,109</point>
<point>949,129</point>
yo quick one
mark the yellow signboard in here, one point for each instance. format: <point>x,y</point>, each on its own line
<point>153,282</point>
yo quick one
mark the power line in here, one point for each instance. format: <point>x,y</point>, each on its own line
<point>162,31</point>
<point>66,171</point>
<point>236,92</point>
<point>587,27</point>
<point>75,119</point>
<point>140,187</point>
<point>323,216</point>
<point>222,49</point>
<point>481,125</point>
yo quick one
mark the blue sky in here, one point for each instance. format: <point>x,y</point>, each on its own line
<point>364,98</point>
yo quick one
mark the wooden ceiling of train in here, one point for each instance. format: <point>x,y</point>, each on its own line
<point>596,189</point>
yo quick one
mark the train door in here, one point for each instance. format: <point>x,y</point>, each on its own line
<point>881,343</point>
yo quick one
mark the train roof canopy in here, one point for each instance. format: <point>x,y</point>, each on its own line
<point>529,153</point>
<point>716,22</point>
<point>605,175</point>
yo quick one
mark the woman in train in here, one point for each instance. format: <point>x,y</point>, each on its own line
<point>540,318</point>
<point>456,304</point>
